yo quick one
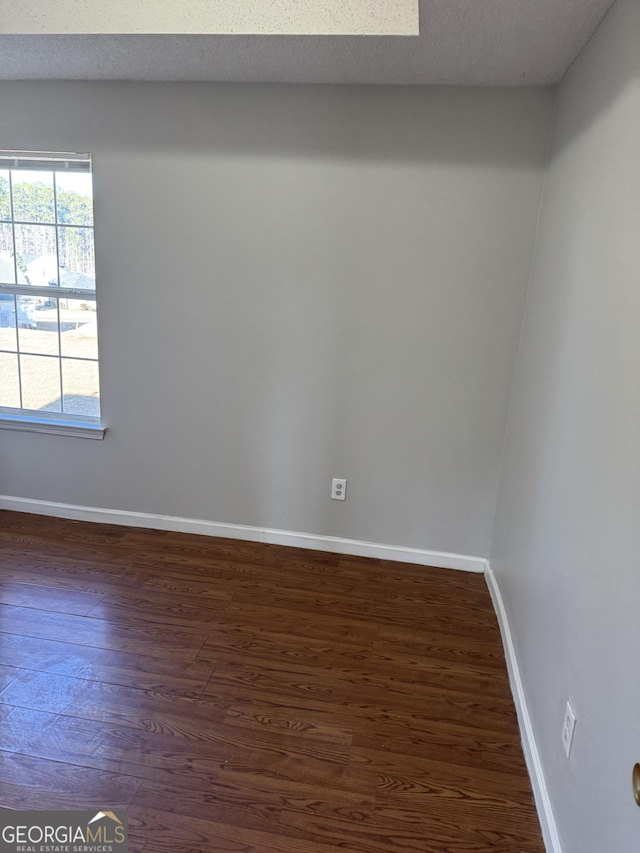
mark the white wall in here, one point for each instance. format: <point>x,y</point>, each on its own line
<point>296,283</point>
<point>566,549</point>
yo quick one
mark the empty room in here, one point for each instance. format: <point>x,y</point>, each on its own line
<point>320,426</point>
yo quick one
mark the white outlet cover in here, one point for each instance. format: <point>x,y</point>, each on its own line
<point>338,489</point>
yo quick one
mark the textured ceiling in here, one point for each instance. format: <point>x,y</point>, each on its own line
<point>208,17</point>
<point>474,42</point>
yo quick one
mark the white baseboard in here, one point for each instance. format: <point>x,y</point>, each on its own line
<point>531,754</point>
<point>334,544</point>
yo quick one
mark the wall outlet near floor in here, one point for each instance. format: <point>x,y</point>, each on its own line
<point>338,489</point>
<point>568,728</point>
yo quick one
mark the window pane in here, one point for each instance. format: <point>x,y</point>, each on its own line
<point>41,270</point>
<point>9,382</point>
<point>32,242</point>
<point>78,326</point>
<point>8,338</point>
<point>7,265</point>
<point>76,257</point>
<point>47,314</point>
<point>74,194</point>
<point>36,337</point>
<point>32,196</point>
<point>80,384</point>
<point>6,238</point>
<point>40,382</point>
<point>5,195</point>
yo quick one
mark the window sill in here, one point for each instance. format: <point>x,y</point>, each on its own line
<point>79,429</point>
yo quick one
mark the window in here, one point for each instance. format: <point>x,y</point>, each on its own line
<point>48,332</point>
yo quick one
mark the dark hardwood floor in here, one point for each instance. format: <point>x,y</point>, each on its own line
<point>253,698</point>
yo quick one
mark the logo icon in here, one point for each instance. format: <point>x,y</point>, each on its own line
<point>112,815</point>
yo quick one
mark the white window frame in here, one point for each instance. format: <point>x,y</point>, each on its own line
<point>32,420</point>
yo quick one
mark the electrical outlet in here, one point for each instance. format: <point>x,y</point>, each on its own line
<point>338,489</point>
<point>568,728</point>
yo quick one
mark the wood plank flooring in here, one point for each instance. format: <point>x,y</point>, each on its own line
<point>253,698</point>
